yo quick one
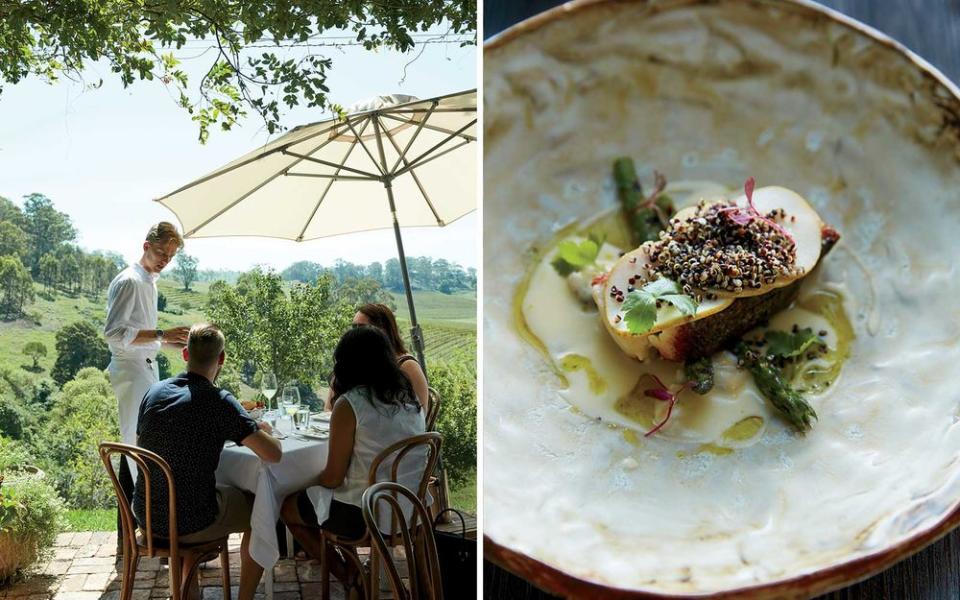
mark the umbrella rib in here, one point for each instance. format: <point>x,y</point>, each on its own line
<point>431,127</point>
<point>331,164</point>
<point>413,138</point>
<point>417,161</point>
<point>364,146</point>
<point>226,170</point>
<point>326,190</point>
<point>416,180</point>
<point>248,194</point>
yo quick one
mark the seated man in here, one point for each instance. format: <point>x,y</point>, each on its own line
<point>186,420</point>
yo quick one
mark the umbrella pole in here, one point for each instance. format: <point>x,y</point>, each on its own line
<point>415,334</point>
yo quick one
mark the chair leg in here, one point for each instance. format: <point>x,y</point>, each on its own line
<point>324,568</point>
<point>373,583</point>
<point>225,569</point>
<point>130,562</point>
<point>188,573</point>
<point>174,569</point>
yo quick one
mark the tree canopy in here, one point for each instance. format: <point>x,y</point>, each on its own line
<point>248,71</point>
<point>290,332</point>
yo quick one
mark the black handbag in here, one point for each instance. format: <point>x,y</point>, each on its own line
<point>457,555</point>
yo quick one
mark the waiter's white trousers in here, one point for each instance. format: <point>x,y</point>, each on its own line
<point>131,377</point>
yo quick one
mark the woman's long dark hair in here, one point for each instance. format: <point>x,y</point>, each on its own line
<point>365,357</point>
<point>382,317</point>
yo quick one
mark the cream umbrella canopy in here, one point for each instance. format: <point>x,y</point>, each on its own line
<point>393,161</point>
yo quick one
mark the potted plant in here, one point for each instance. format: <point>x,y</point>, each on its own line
<point>31,515</point>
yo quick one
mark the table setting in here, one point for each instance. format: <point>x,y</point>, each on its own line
<point>303,435</point>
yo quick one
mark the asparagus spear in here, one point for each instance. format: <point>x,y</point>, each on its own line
<point>770,383</point>
<point>644,220</point>
<point>700,372</point>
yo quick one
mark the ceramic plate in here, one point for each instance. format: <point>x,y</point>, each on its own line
<point>794,95</point>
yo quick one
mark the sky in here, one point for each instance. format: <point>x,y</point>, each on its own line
<point>102,155</point>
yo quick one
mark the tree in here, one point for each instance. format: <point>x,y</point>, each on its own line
<point>46,227</point>
<point>11,212</point>
<point>290,333</point>
<point>36,351</point>
<point>16,287</point>
<point>161,302</point>
<point>304,270</point>
<point>392,277</point>
<point>455,379</point>
<point>163,366</point>
<point>83,415</point>
<point>13,241</point>
<point>138,41</point>
<point>78,345</point>
<point>355,292</point>
<point>186,270</point>
<point>49,270</point>
<point>375,271</point>
<point>69,271</point>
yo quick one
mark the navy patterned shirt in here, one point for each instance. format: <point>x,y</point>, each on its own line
<point>186,420</point>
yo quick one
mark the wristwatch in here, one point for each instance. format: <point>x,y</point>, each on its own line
<point>159,335</point>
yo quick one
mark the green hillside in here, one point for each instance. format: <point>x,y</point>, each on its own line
<point>448,321</point>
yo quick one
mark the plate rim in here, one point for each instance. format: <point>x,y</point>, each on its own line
<point>820,581</point>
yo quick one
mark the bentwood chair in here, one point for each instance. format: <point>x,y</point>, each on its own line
<point>433,409</point>
<point>139,542</point>
<point>390,459</point>
<point>416,538</point>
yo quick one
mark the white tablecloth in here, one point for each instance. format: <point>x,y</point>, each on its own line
<point>302,461</point>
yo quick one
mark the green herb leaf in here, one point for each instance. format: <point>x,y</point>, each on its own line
<point>573,256</point>
<point>639,311</point>
<point>781,343</point>
<point>661,287</point>
<point>640,306</point>
<point>685,304</point>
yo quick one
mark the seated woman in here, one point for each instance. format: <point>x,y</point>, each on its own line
<point>375,407</point>
<point>381,317</point>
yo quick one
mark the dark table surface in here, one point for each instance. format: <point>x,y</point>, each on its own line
<point>931,28</point>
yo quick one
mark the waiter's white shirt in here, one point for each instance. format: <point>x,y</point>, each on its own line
<point>131,306</point>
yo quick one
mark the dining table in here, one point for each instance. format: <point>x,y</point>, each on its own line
<point>930,28</point>
<point>303,459</point>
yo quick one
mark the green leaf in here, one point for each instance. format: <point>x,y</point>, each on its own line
<point>660,287</point>
<point>573,256</point>
<point>684,303</point>
<point>639,311</point>
<point>782,343</point>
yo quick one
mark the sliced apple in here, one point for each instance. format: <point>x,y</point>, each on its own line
<point>632,265</point>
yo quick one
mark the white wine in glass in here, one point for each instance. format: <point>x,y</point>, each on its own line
<point>268,386</point>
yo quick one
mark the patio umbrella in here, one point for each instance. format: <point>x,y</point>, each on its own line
<point>393,161</point>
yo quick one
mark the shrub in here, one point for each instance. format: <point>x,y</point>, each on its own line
<point>35,350</point>
<point>79,345</point>
<point>14,454</point>
<point>455,379</point>
<point>161,302</point>
<point>84,414</point>
<point>31,515</point>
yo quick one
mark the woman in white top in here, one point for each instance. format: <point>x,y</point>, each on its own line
<point>374,407</point>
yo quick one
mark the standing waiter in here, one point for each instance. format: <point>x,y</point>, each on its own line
<point>132,333</point>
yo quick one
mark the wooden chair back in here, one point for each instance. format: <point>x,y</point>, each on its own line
<point>433,409</point>
<point>416,536</point>
<point>143,458</point>
<point>394,456</point>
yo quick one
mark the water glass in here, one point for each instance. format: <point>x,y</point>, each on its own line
<point>302,418</point>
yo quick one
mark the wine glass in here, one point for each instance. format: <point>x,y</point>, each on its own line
<point>268,386</point>
<point>290,399</point>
